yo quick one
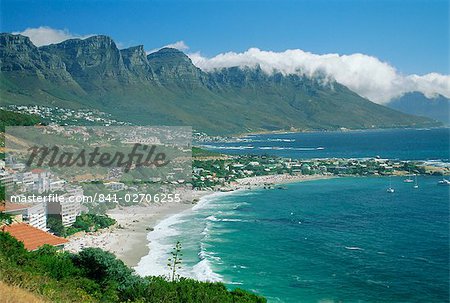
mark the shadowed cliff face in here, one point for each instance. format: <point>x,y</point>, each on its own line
<point>173,67</point>
<point>90,60</point>
<point>166,88</point>
<point>136,62</point>
<point>17,53</point>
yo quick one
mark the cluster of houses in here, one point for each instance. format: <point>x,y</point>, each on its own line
<point>66,116</point>
<point>216,172</point>
<point>37,193</point>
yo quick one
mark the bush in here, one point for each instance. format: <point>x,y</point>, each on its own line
<point>88,222</point>
<point>94,275</point>
<point>106,269</point>
<point>54,224</point>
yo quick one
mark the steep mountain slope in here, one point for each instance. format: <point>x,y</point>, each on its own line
<point>416,103</point>
<point>166,88</point>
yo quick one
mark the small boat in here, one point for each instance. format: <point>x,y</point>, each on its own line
<point>444,182</point>
<point>416,185</point>
<point>390,189</point>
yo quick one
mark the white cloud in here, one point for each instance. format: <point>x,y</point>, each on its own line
<point>45,35</point>
<point>179,45</point>
<point>366,75</point>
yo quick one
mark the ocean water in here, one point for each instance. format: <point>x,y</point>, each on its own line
<point>334,240</point>
<point>405,144</point>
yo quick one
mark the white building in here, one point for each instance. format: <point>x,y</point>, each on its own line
<point>116,186</point>
<point>41,179</point>
<point>55,185</point>
<point>36,216</point>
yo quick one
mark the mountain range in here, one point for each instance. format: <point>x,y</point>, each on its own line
<point>416,103</point>
<point>166,88</point>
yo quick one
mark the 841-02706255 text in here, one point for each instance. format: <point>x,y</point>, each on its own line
<point>100,198</point>
<point>138,198</point>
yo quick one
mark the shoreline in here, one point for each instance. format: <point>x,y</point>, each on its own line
<point>128,238</point>
<point>283,132</point>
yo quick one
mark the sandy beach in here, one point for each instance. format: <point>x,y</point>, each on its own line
<point>128,238</point>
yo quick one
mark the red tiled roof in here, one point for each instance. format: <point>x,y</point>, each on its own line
<point>32,237</point>
<point>6,207</point>
<point>37,171</point>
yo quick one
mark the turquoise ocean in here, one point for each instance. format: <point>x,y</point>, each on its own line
<point>333,240</point>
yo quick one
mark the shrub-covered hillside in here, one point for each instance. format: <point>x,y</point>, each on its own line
<point>94,275</point>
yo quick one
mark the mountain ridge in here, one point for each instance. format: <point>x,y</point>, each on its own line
<point>166,88</point>
<point>416,103</point>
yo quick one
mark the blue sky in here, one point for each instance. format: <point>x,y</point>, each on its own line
<point>412,36</point>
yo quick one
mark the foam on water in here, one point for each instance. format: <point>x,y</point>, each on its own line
<point>202,271</point>
<point>155,262</point>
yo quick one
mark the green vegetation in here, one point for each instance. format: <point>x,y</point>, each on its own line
<point>175,262</point>
<point>5,218</point>
<point>165,88</point>
<point>8,118</point>
<point>94,275</point>
<point>54,224</point>
<point>198,152</point>
<point>217,172</point>
<point>84,222</point>
<point>2,193</point>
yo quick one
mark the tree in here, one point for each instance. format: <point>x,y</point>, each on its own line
<point>174,262</point>
<point>54,223</point>
<point>5,218</point>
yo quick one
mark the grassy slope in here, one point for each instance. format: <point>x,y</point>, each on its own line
<point>13,294</point>
<point>198,152</point>
<point>227,110</point>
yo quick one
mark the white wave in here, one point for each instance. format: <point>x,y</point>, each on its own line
<point>291,148</point>
<point>281,140</point>
<point>204,201</point>
<point>353,248</point>
<point>202,271</point>
<point>227,147</point>
<point>212,218</point>
<point>205,231</point>
<point>215,219</point>
<point>240,266</point>
<point>154,264</point>
<point>231,220</point>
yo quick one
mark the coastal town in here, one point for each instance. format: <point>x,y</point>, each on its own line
<point>68,217</point>
<point>66,116</point>
<point>215,172</point>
